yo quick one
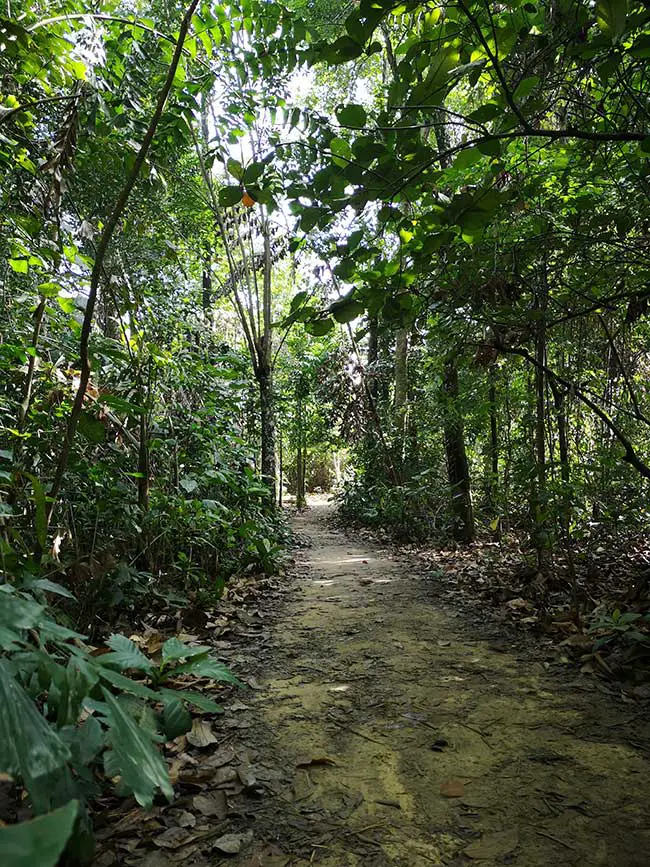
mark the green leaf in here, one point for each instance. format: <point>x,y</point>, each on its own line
<point>40,510</point>
<point>126,684</point>
<point>141,767</point>
<point>490,148</point>
<point>196,699</point>
<point>526,87</point>
<point>208,667</point>
<point>319,327</point>
<point>351,115</point>
<point>253,172</point>
<point>29,747</point>
<point>175,649</point>
<point>66,304</point>
<point>489,111</point>
<point>611,16</point>
<point>341,151</point>
<point>343,49</point>
<point>91,428</point>
<point>176,718</point>
<point>20,266</point>
<point>119,404</point>
<point>49,289</point>
<point>644,146</point>
<point>48,586</point>
<point>16,612</point>
<point>126,654</point>
<point>86,741</point>
<point>230,196</point>
<point>39,842</point>
<point>235,168</point>
<point>347,310</point>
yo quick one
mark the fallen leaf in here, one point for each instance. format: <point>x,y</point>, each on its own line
<point>231,844</point>
<point>492,846</point>
<point>186,819</point>
<point>519,604</point>
<point>452,789</point>
<point>201,735</point>
<point>223,776</point>
<point>153,859</point>
<point>222,756</point>
<point>247,776</point>
<point>211,805</point>
<point>172,838</point>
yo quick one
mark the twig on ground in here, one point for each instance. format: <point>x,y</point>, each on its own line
<point>555,839</point>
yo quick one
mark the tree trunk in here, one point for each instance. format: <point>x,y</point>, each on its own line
<point>493,478</point>
<point>494,443</point>
<point>206,283</point>
<point>373,358</point>
<point>300,457</point>
<point>400,394</point>
<point>143,465</point>
<point>280,465</point>
<point>542,537</point>
<point>267,426</point>
<point>457,465</point>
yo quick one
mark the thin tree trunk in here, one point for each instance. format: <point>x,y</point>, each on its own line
<point>28,384</point>
<point>400,394</point>
<point>267,427</point>
<point>300,456</point>
<point>373,358</point>
<point>542,537</point>
<point>206,283</point>
<point>559,399</point>
<point>280,465</point>
<point>494,442</point>
<point>457,464</point>
<point>493,480</point>
<point>265,371</point>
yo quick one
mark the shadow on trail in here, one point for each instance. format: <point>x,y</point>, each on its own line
<point>404,739</point>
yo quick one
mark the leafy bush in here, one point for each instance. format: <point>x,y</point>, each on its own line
<point>71,714</point>
<point>412,511</point>
<point>630,628</point>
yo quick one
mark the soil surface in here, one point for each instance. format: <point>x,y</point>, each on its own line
<point>392,731</point>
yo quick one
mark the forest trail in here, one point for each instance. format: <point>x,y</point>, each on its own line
<point>400,737</point>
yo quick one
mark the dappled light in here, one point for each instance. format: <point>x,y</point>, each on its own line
<point>324,433</point>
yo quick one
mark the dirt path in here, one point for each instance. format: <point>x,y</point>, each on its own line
<point>379,695</point>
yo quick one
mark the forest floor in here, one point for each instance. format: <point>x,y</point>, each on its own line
<point>387,727</point>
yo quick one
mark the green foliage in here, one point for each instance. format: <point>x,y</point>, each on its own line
<point>50,682</point>
<point>629,628</point>
<point>415,511</point>
<point>39,841</point>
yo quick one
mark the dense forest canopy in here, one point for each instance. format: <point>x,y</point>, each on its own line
<point>250,249</point>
